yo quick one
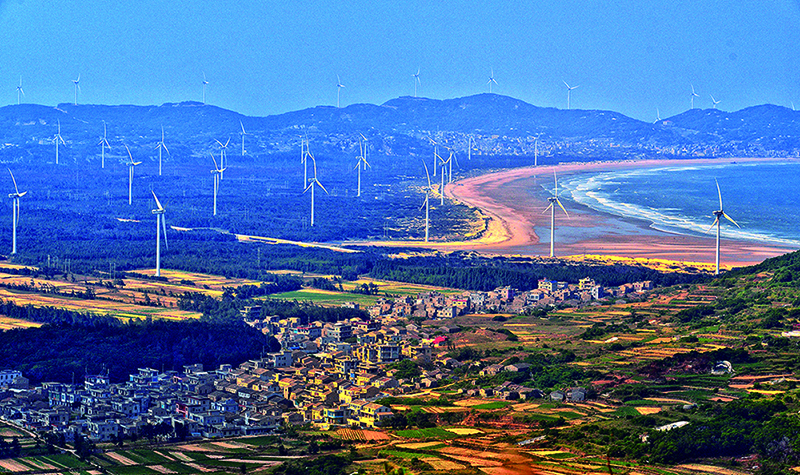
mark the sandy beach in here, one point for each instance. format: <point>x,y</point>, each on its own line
<point>517,220</point>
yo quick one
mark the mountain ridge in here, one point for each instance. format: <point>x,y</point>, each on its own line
<point>401,126</point>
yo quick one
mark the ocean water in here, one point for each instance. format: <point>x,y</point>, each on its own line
<point>763,198</point>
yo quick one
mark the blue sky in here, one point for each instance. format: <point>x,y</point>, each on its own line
<point>267,57</point>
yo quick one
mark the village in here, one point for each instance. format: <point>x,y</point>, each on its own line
<point>327,374</point>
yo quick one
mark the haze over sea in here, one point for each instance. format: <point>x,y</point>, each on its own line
<point>763,198</point>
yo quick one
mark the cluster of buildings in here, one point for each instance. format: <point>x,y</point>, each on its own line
<point>327,374</point>
<point>434,305</point>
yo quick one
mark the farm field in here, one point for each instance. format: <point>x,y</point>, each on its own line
<point>139,298</point>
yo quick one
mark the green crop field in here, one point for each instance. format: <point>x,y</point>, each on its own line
<point>325,297</point>
<point>430,433</point>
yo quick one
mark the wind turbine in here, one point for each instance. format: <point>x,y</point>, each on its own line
<point>161,223</point>
<point>205,83</point>
<point>443,164</point>
<point>161,145</point>
<point>103,144</point>
<point>714,102</point>
<point>76,82</point>
<point>569,92</point>
<point>131,164</point>
<point>553,201</point>
<point>339,87</point>
<point>694,94</point>
<point>362,158</point>
<point>452,158</point>
<point>490,81</point>
<point>310,186</point>
<point>718,214</point>
<point>57,139</point>
<point>658,116</point>
<point>222,150</point>
<point>15,212</point>
<point>217,173</point>
<point>243,133</point>
<point>366,149</point>
<point>416,82</point>
<point>427,203</point>
<point>20,91</point>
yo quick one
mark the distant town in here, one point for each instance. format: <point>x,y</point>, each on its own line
<point>327,374</point>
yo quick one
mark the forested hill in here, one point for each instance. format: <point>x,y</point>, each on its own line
<point>499,125</point>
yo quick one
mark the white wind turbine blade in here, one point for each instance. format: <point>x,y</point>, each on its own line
<point>427,175</point>
<point>716,220</point>
<point>731,220</point>
<point>16,190</point>
<point>562,207</point>
<point>243,132</point>
<point>164,225</point>
<point>129,154</point>
<point>216,168</point>
<point>548,208</point>
<point>719,193</point>
<point>158,203</point>
<point>320,185</point>
<point>555,180</point>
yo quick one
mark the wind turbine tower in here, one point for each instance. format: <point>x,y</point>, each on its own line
<point>161,223</point>
<point>216,173</point>
<point>416,82</point>
<point>553,201</point>
<point>57,139</point>
<point>536,152</point>
<point>19,90</point>
<point>339,87</point>
<point>443,164</point>
<point>243,133</point>
<point>470,146</point>
<point>311,186</point>
<point>103,144</point>
<point>15,212</point>
<point>717,215</point>
<point>569,92</point>
<point>131,164</point>
<point>161,145</point>
<point>361,159</point>
<point>76,83</point>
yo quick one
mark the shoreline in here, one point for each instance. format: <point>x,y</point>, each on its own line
<point>514,219</point>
